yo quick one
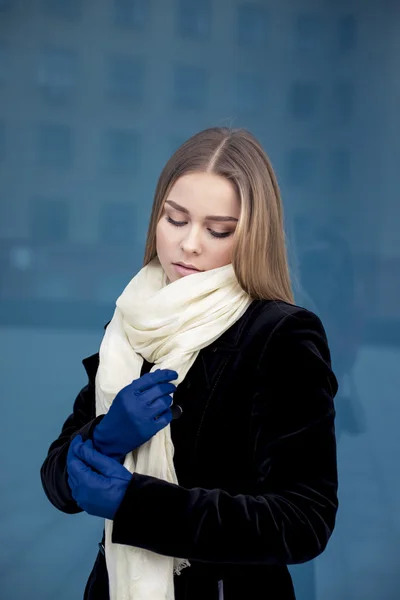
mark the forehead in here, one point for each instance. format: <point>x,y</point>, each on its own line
<point>205,193</point>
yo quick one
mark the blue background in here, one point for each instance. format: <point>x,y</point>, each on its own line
<point>94,97</point>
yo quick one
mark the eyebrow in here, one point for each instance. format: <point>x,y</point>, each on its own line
<point>207,218</point>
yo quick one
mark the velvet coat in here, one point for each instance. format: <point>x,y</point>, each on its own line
<point>255,457</point>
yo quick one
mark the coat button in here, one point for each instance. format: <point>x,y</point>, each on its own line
<point>176,411</point>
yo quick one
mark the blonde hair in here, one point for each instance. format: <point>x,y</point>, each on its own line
<point>259,256</point>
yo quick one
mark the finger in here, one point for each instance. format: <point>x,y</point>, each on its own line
<point>106,466</point>
<point>159,390</point>
<point>163,419</point>
<point>150,379</point>
<point>77,468</point>
<point>160,406</point>
<point>72,457</point>
<point>72,480</point>
<point>89,443</point>
<point>75,442</point>
<point>73,489</point>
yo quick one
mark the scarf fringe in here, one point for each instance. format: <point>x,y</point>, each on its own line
<point>178,569</point>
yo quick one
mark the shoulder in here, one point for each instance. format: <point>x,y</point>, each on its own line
<point>287,329</point>
<point>293,335</point>
<point>275,317</point>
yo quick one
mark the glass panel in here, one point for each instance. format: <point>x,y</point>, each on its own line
<point>95,96</point>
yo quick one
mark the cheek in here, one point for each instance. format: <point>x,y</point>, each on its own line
<point>160,234</point>
<point>163,238</point>
<point>222,255</point>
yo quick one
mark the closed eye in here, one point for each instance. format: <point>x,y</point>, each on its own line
<point>215,234</point>
<point>176,223</point>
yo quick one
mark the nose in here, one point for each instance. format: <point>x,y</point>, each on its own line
<point>190,242</point>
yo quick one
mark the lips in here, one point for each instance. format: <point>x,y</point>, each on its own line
<point>184,270</point>
<point>191,267</point>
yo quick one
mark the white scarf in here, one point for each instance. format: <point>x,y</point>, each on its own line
<point>167,324</point>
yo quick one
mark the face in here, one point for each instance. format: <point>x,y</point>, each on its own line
<point>196,228</point>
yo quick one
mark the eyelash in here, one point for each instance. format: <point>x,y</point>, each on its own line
<point>213,233</point>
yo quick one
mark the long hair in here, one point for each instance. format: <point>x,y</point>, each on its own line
<point>259,256</point>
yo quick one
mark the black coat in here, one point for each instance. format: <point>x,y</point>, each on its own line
<point>255,457</point>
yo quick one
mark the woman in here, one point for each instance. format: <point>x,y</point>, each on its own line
<point>212,496</point>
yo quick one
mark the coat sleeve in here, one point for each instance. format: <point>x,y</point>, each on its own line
<point>54,469</point>
<point>291,517</point>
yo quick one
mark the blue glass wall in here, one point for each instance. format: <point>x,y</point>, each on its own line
<point>94,97</point>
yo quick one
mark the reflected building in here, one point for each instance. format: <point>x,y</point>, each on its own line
<point>96,96</point>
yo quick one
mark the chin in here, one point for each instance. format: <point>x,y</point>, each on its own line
<point>172,275</point>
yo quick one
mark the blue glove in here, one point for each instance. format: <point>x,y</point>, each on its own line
<point>98,483</point>
<point>139,411</point>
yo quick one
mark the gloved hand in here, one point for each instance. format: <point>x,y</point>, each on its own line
<point>139,411</point>
<point>98,483</point>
